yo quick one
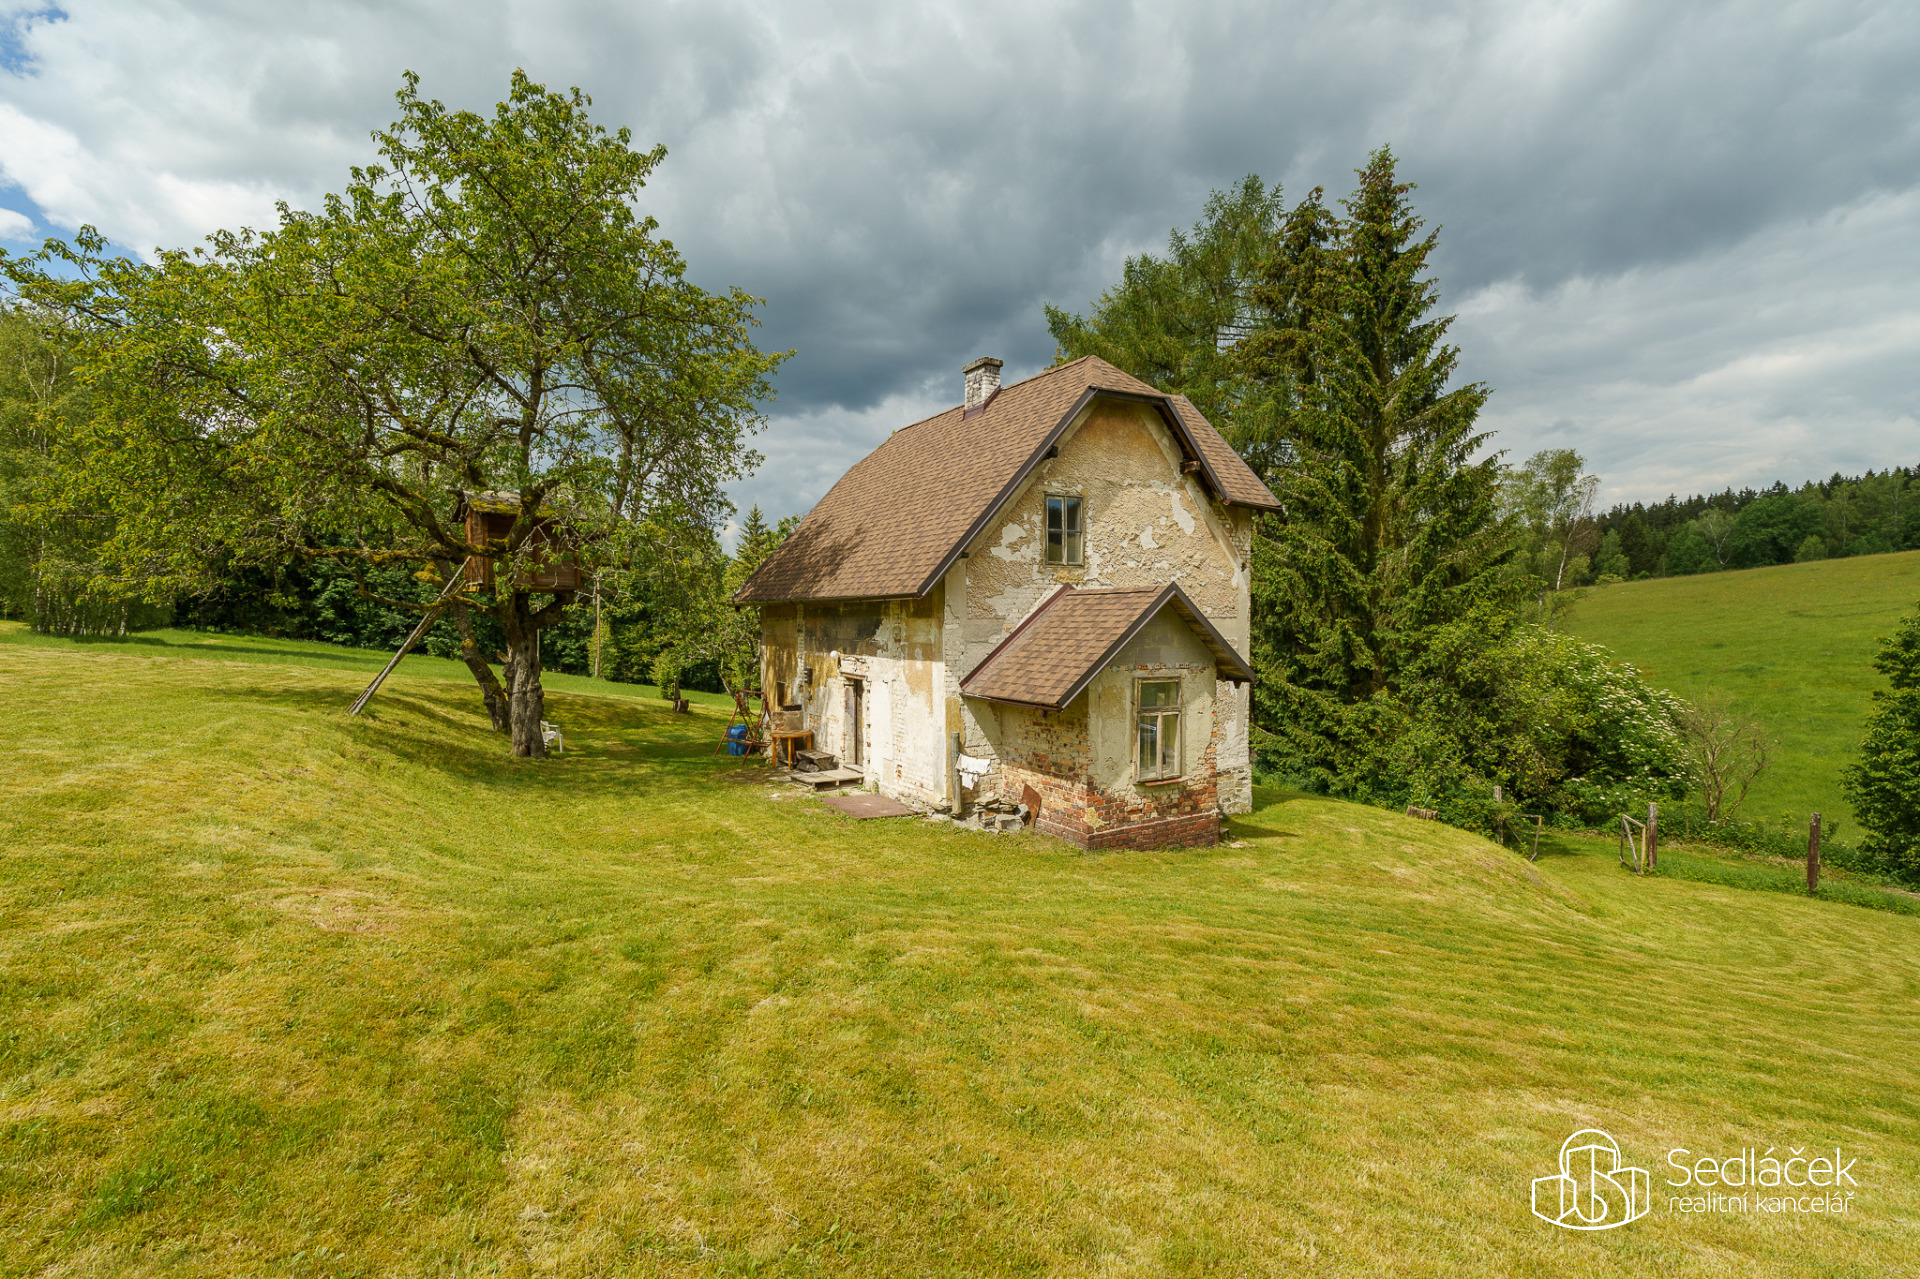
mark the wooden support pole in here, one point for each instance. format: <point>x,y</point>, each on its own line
<point>1813,856</point>
<point>953,767</point>
<point>1653,835</point>
<point>596,626</point>
<point>427,619</point>
<point>359,703</point>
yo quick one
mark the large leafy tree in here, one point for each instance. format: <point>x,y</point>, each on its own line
<point>1884,783</point>
<point>701,624</point>
<point>483,311</point>
<point>1175,320</point>
<point>48,549</point>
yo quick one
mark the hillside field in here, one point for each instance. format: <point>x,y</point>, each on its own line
<point>364,662</point>
<point>283,993</point>
<point>1792,645</point>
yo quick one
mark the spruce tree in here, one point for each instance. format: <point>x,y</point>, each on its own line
<point>1390,530</point>
<point>1884,784</point>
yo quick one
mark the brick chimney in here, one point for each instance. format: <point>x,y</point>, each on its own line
<point>983,379</point>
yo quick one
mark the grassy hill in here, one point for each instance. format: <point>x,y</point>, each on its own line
<point>1792,645</point>
<point>365,662</point>
<point>283,993</point>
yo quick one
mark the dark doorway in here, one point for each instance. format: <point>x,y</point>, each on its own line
<point>855,753</point>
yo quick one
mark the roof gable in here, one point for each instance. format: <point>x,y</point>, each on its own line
<point>896,522</point>
<point>1050,658</point>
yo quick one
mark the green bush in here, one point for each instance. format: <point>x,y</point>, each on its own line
<point>1770,530</point>
<point>1561,728</point>
<point>1688,553</point>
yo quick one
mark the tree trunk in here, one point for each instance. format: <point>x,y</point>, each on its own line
<point>490,691</point>
<point>526,703</point>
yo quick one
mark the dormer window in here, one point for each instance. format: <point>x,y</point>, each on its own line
<point>1063,529</point>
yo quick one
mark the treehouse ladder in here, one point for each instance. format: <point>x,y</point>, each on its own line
<point>431,616</point>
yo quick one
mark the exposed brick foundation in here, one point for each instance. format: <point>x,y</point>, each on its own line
<point>1184,815</point>
<point>1190,830</point>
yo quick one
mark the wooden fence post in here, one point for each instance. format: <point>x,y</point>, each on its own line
<point>1813,856</point>
<point>1653,835</point>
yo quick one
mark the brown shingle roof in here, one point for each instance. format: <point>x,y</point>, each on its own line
<point>896,521</point>
<point>1053,655</point>
<point>1227,473</point>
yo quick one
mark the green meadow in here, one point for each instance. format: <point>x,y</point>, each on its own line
<point>1791,645</point>
<point>283,993</point>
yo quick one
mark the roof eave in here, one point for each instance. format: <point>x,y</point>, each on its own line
<point>1242,672</point>
<point>740,599</point>
<point>1228,664</point>
<point>1015,701</point>
<point>1251,506</point>
<point>1007,490</point>
<point>1168,411</point>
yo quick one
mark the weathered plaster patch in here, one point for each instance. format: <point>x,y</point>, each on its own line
<point>1008,551</point>
<point>1181,516</point>
<point>1146,539</point>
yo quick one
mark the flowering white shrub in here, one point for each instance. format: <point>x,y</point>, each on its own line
<point>1612,738</point>
<point>1555,722</point>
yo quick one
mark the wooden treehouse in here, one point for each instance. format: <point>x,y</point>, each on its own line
<point>490,517</point>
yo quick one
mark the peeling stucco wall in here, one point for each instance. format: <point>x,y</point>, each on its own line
<point>1080,760</point>
<point>890,655</point>
<point>1166,649</point>
<point>1146,524</point>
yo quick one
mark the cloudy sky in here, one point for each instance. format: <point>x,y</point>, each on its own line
<point>1684,239</point>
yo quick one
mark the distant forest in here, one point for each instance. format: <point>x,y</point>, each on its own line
<point>1822,519</point>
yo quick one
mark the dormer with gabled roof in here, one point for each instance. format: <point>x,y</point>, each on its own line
<point>1072,494</point>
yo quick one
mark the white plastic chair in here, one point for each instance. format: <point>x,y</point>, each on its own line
<point>551,736</point>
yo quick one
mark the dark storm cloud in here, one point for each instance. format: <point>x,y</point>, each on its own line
<point>1656,217</point>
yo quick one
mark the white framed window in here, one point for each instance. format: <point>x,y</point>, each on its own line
<point>1157,736</point>
<point>1063,529</point>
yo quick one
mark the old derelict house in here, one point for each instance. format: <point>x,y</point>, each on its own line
<point>1042,591</point>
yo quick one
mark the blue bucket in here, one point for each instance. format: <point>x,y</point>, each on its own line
<point>737,740</point>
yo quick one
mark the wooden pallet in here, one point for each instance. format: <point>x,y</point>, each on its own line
<point>830,778</point>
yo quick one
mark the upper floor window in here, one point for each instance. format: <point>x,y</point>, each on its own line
<point>1159,730</point>
<point>1063,529</point>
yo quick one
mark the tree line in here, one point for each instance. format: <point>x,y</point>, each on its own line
<point>1569,544</point>
<point>1868,514</point>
